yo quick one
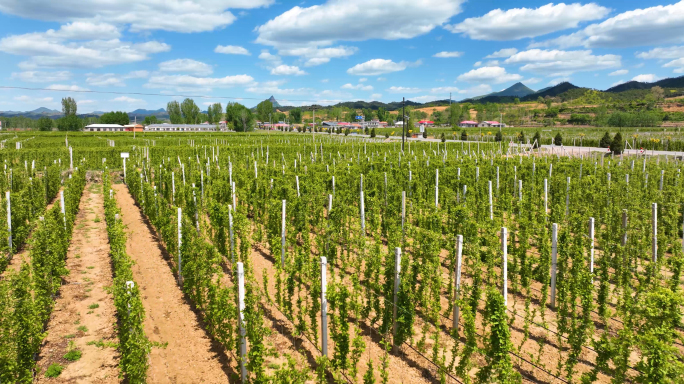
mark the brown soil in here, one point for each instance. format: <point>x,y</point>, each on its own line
<point>188,357</point>
<point>75,322</point>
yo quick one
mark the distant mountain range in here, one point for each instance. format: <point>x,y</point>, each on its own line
<point>566,91</point>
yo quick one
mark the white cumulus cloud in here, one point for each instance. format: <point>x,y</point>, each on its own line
<point>645,78</point>
<point>661,24</point>
<point>518,23</point>
<point>502,53</point>
<point>232,50</point>
<point>394,89</point>
<point>61,87</point>
<point>360,87</point>
<point>188,81</point>
<point>619,72</point>
<point>186,66</point>
<point>287,70</point>
<point>489,75</point>
<point>379,67</point>
<point>141,15</point>
<point>41,77</point>
<point>130,100</point>
<point>446,54</point>
<point>562,63</point>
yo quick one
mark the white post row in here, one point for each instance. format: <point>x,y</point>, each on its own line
<point>61,201</point>
<point>71,158</point>
<point>324,308</point>
<point>173,188</point>
<point>546,197</point>
<point>591,249</point>
<point>624,227</point>
<point>180,242</point>
<point>297,179</point>
<point>397,270</point>
<point>504,250</point>
<point>243,332</point>
<point>457,287</point>
<point>491,207</point>
<point>654,218</point>
<point>232,242</point>
<point>9,221</point>
<point>554,263</point>
<point>234,197</point>
<point>282,237</point>
<point>403,212</point>
<point>363,215</point>
<point>436,188</point>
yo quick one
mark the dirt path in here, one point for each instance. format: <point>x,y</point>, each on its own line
<point>15,263</point>
<point>184,353</point>
<point>84,315</point>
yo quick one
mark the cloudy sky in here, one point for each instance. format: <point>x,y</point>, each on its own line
<point>324,51</point>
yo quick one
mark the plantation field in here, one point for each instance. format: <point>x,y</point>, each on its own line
<point>292,258</point>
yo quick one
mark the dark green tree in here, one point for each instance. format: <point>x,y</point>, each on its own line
<point>558,140</point>
<point>70,123</point>
<point>497,137</point>
<point>191,112</point>
<point>120,118</point>
<point>45,124</point>
<point>69,106</point>
<point>617,146</point>
<point>174,110</point>
<point>372,134</point>
<point>149,120</point>
<point>239,117</point>
<point>536,140</point>
<point>296,115</point>
<point>464,135</point>
<point>606,141</point>
<point>263,110</point>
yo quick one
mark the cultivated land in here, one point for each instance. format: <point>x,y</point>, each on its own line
<point>555,299</point>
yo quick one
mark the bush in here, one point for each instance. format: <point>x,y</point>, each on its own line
<point>387,135</point>
<point>558,140</point>
<point>606,141</point>
<point>425,134</point>
<point>443,138</point>
<point>498,136</point>
<point>45,124</point>
<point>617,146</point>
<point>372,133</point>
<point>536,140</point>
<point>54,370</point>
<point>73,355</point>
<point>521,137</point>
<point>464,135</point>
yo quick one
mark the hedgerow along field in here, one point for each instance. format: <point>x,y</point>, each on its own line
<point>418,248</point>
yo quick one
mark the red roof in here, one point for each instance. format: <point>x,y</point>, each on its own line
<point>468,122</point>
<point>426,122</point>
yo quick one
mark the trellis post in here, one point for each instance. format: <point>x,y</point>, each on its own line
<point>324,308</point>
<point>591,249</point>
<point>282,236</point>
<point>397,270</point>
<point>491,206</point>
<point>457,287</point>
<point>624,227</point>
<point>554,263</point>
<point>654,218</point>
<point>241,307</point>
<point>436,188</point>
<point>180,242</point>
<point>9,222</point>
<point>504,251</point>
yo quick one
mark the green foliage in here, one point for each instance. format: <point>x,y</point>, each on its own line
<point>239,117</point>
<point>605,141</point>
<point>73,355</point>
<point>191,112</point>
<point>45,124</point>
<point>618,144</point>
<point>70,123</point>
<point>120,118</point>
<point>264,110</point>
<point>149,120</point>
<point>174,110</point>
<point>69,107</point>
<point>558,139</point>
<point>54,370</point>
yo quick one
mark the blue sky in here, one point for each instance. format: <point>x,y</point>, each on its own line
<point>324,51</point>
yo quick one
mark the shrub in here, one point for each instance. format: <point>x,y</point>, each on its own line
<point>54,370</point>
<point>372,133</point>
<point>617,146</point>
<point>443,138</point>
<point>73,355</point>
<point>425,134</point>
<point>606,141</point>
<point>536,140</point>
<point>498,136</point>
<point>558,140</point>
<point>464,135</point>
